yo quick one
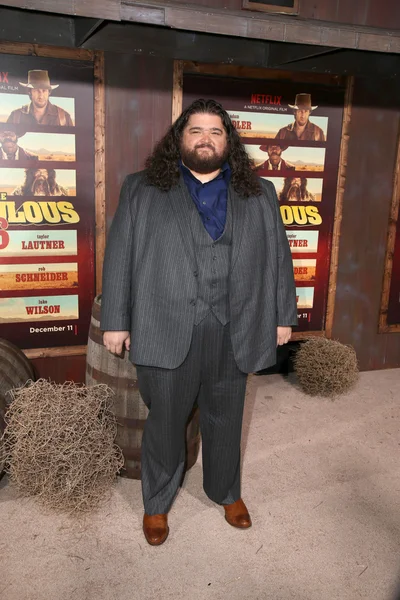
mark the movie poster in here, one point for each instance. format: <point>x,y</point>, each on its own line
<point>393,312</point>
<point>292,131</point>
<point>47,209</point>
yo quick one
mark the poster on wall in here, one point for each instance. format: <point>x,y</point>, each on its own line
<point>47,201</point>
<point>292,131</point>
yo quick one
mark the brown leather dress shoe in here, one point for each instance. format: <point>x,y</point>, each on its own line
<point>237,514</point>
<point>155,529</point>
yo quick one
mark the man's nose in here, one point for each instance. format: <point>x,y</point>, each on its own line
<point>206,136</point>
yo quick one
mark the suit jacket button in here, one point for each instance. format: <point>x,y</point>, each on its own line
<point>195,273</point>
<point>193,302</point>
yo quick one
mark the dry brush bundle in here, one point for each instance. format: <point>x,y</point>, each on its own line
<point>326,367</point>
<point>59,444</point>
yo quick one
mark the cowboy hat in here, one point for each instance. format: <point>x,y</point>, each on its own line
<point>38,79</point>
<point>275,142</point>
<point>302,101</point>
<point>13,128</point>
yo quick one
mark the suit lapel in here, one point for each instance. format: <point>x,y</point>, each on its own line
<point>238,208</point>
<point>182,205</point>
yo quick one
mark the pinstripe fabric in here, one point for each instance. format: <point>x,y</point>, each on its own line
<point>213,261</point>
<point>209,372</point>
<point>149,276</point>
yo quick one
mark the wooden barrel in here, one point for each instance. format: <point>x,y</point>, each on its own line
<point>15,371</point>
<point>131,412</point>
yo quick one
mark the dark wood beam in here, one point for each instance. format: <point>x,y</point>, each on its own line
<point>160,42</point>
<point>35,27</point>
<point>84,28</point>
<point>163,43</point>
<point>220,21</point>
<point>377,65</point>
<point>259,25</point>
<point>281,54</point>
<point>98,9</point>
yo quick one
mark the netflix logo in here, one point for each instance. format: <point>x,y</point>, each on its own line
<point>266,99</point>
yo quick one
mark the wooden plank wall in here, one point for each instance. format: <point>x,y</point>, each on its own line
<point>60,369</point>
<point>372,151</point>
<point>138,113</point>
<point>373,13</point>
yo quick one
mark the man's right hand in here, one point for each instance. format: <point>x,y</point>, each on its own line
<point>114,341</point>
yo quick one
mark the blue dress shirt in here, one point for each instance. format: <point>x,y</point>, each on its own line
<point>210,198</point>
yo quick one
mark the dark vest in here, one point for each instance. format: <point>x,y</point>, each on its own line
<point>213,266</point>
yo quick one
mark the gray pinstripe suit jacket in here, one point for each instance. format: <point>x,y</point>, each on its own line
<point>149,275</point>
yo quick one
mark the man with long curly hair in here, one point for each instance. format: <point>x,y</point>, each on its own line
<point>198,285</point>
<point>295,190</point>
<point>40,182</point>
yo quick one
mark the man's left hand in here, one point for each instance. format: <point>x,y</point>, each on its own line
<point>283,335</point>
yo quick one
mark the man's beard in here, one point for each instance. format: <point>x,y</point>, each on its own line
<point>294,192</point>
<point>203,164</point>
<point>40,187</point>
<point>275,158</point>
<point>39,103</point>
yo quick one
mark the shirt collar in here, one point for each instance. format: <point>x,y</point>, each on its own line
<point>51,109</point>
<point>277,168</point>
<point>5,157</point>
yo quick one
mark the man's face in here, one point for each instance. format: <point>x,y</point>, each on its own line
<point>294,191</point>
<point>40,186</point>
<point>40,97</point>
<point>274,153</point>
<point>204,143</point>
<point>301,116</point>
<point>9,142</point>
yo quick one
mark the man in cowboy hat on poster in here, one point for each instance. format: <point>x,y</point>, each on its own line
<point>275,161</point>
<point>40,111</point>
<point>10,150</point>
<point>302,128</point>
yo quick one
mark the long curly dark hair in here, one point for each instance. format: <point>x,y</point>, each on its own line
<point>162,165</point>
<point>30,178</point>
<point>303,192</point>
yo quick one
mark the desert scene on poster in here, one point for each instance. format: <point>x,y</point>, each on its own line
<point>46,242</point>
<point>304,269</point>
<point>38,276</point>
<point>38,182</point>
<point>40,308</point>
<point>42,146</point>
<point>11,102</point>
<point>302,241</point>
<point>310,188</point>
<point>298,158</point>
<point>305,297</point>
<point>267,125</point>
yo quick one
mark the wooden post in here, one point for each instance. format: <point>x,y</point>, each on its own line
<point>177,90</point>
<point>99,141</point>
<point>344,146</point>
<point>390,246</point>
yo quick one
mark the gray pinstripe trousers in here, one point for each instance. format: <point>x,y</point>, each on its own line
<point>209,374</point>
